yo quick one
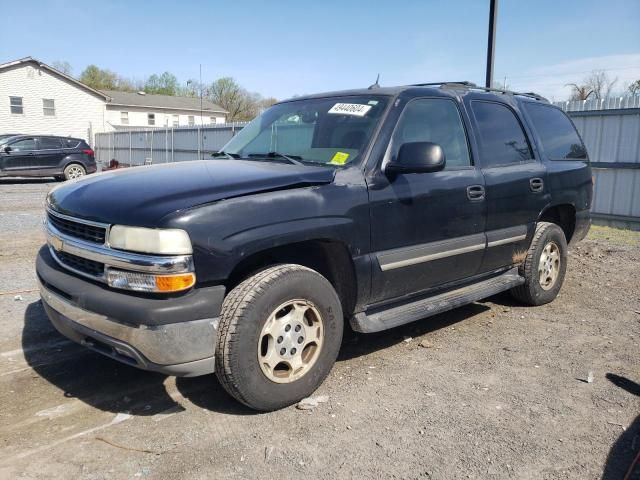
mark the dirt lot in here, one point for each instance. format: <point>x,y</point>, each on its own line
<point>492,390</point>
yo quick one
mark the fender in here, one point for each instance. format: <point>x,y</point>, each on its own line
<point>225,233</point>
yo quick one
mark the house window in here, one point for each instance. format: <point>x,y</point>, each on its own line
<point>192,120</point>
<point>48,107</point>
<point>151,118</point>
<point>176,120</point>
<point>124,118</point>
<point>212,119</point>
<point>16,105</point>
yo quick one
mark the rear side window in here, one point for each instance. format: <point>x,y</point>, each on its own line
<point>435,120</point>
<point>48,143</point>
<point>70,143</point>
<point>559,138</point>
<point>502,138</point>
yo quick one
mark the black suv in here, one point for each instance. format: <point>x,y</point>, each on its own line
<point>373,207</point>
<point>64,158</point>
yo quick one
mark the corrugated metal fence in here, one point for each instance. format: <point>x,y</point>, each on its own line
<point>163,145</point>
<point>610,128</point>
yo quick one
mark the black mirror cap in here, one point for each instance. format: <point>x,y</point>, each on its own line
<point>418,157</point>
<point>7,149</point>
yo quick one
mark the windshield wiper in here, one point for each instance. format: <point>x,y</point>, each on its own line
<point>225,154</point>
<point>294,159</point>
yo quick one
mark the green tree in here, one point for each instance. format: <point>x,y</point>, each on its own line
<point>103,79</point>
<point>98,78</point>
<point>164,84</point>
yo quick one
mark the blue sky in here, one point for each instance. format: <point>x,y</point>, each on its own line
<point>282,48</point>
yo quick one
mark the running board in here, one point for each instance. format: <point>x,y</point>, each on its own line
<point>426,307</point>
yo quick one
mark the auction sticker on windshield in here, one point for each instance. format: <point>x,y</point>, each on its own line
<point>354,109</point>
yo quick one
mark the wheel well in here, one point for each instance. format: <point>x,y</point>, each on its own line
<point>329,258</point>
<point>73,162</point>
<point>562,215</point>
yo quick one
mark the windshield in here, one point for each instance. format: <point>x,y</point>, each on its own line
<point>4,138</point>
<point>327,131</point>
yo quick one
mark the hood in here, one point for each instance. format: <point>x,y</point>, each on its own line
<point>143,195</point>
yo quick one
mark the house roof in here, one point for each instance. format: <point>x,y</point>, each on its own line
<point>133,99</point>
<point>44,66</point>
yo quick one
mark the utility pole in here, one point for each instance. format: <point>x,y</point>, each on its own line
<point>200,94</point>
<point>491,43</point>
<point>200,142</point>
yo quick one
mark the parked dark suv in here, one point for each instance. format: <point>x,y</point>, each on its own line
<point>64,158</point>
<point>373,207</point>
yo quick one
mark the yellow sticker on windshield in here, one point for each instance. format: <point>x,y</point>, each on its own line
<point>340,158</point>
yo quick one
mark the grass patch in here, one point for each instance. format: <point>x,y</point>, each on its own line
<point>614,235</point>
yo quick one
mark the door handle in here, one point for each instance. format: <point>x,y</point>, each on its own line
<point>475,193</point>
<point>536,184</point>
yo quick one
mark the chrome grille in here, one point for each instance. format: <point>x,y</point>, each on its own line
<point>82,265</point>
<point>78,229</point>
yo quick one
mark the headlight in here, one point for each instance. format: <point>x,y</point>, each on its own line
<point>149,240</point>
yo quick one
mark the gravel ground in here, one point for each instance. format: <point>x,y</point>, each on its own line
<point>491,390</point>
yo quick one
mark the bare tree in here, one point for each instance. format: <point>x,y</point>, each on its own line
<point>600,84</point>
<point>634,88</point>
<point>579,92</point>
<point>240,104</point>
<point>63,66</point>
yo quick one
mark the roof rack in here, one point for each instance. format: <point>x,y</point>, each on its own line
<point>473,86</point>
<point>464,83</point>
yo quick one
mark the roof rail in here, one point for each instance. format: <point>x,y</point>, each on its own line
<point>473,86</point>
<point>463,83</point>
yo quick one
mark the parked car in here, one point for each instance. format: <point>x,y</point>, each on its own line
<point>4,136</point>
<point>64,158</point>
<point>380,207</point>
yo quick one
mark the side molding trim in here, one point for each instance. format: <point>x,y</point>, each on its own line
<point>426,252</point>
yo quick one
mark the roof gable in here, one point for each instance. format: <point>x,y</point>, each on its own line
<point>39,64</point>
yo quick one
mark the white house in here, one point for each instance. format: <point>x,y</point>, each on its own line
<point>38,99</point>
<point>127,110</point>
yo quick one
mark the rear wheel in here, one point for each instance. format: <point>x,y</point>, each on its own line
<point>545,266</point>
<point>279,336</point>
<point>74,170</point>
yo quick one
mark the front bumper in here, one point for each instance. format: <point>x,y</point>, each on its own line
<point>171,335</point>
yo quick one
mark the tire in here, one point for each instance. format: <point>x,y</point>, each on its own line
<point>252,336</point>
<point>73,171</point>
<point>543,279</point>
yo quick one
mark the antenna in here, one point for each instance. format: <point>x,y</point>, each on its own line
<point>375,85</point>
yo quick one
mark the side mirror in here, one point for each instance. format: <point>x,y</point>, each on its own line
<point>417,157</point>
<point>7,149</point>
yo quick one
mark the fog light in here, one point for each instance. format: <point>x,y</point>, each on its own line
<point>143,282</point>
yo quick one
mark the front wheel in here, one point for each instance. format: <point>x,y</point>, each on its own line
<point>278,337</point>
<point>544,267</point>
<point>73,171</point>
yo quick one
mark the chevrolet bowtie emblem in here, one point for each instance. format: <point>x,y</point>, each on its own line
<point>56,243</point>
